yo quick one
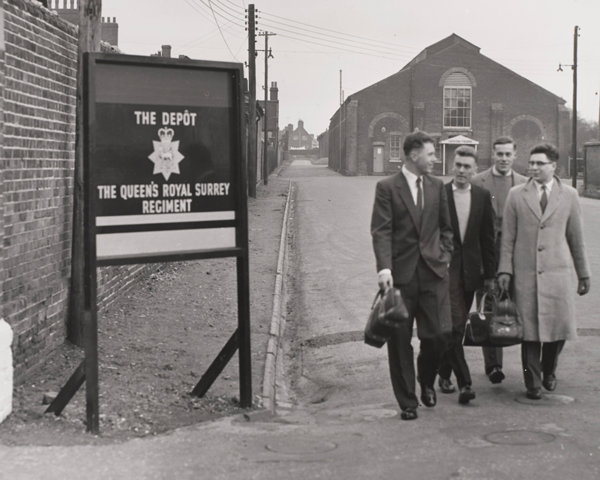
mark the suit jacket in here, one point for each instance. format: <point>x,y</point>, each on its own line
<point>400,237</point>
<point>540,251</point>
<point>475,253</point>
<point>485,180</point>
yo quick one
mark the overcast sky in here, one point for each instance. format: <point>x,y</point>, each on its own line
<point>368,41</point>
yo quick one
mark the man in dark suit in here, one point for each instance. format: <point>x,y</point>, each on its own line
<point>472,217</point>
<point>412,240</point>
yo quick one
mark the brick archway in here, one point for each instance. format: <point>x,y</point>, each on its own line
<point>452,70</point>
<point>397,116</point>
<point>508,128</point>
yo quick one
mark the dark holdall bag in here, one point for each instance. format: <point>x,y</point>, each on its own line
<point>387,313</point>
<point>506,326</point>
<point>477,327</point>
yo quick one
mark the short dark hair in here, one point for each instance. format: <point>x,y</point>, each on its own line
<point>466,151</point>
<point>415,140</point>
<point>504,141</point>
<point>548,149</point>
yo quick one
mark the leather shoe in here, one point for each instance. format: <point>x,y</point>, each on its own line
<point>428,397</point>
<point>465,395</point>
<point>409,414</point>
<point>550,382</point>
<point>496,375</point>
<point>534,393</point>
<point>446,385</point>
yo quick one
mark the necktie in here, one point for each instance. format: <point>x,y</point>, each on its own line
<point>419,197</point>
<point>544,199</point>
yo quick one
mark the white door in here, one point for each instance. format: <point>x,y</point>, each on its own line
<point>377,159</point>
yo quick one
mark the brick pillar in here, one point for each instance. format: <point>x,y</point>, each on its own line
<point>352,165</point>
<point>419,116</point>
<point>564,138</point>
<point>591,179</point>
<point>496,122</point>
<point>2,160</point>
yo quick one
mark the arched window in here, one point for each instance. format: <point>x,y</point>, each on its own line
<point>457,101</point>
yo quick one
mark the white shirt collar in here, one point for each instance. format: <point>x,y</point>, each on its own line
<point>548,185</point>
<point>454,187</point>
<point>410,177</point>
<point>498,174</point>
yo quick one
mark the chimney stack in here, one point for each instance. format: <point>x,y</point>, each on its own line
<point>166,51</point>
<point>274,91</point>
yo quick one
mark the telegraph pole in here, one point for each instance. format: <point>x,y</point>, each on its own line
<point>574,135</point>
<point>90,14</point>
<point>252,131</point>
<point>265,170</point>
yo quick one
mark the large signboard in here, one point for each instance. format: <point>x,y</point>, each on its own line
<point>164,180</point>
<point>165,161</point>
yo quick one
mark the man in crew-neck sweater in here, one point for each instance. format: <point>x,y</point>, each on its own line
<point>472,266</point>
<point>498,180</point>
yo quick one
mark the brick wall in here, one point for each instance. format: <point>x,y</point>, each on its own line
<point>36,185</point>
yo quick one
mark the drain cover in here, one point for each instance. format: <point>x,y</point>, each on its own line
<point>547,399</point>
<point>520,437</point>
<point>300,446</point>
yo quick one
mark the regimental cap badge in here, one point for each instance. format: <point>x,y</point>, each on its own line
<point>166,156</point>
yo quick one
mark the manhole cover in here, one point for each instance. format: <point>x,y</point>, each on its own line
<point>300,446</point>
<point>520,437</point>
<point>546,400</point>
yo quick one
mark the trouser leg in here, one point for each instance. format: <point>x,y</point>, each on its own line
<point>402,367</point>
<point>456,351</point>
<point>550,353</point>
<point>492,356</point>
<point>532,367</point>
<point>434,322</point>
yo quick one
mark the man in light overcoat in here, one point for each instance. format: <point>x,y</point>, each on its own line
<point>498,180</point>
<point>542,242</point>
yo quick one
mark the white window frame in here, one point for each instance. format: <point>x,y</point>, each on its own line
<point>398,158</point>
<point>470,108</point>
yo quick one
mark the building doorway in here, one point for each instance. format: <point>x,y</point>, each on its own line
<point>378,157</point>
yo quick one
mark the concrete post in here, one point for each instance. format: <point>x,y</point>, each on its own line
<point>591,179</point>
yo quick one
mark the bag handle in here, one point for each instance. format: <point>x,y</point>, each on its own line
<point>379,294</point>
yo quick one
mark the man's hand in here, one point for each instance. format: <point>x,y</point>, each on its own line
<point>385,281</point>
<point>504,281</point>
<point>584,286</point>
<point>490,285</point>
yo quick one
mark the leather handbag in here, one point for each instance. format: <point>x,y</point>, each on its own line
<point>387,313</point>
<point>506,326</point>
<point>478,323</point>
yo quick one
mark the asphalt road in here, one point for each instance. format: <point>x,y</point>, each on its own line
<point>346,423</point>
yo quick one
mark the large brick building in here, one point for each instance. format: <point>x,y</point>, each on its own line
<point>458,96</point>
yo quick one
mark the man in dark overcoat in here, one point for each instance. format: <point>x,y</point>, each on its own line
<point>473,263</point>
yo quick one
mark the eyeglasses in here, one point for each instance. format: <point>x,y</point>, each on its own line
<point>535,163</point>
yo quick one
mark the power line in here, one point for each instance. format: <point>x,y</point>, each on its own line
<point>341,33</point>
<point>334,36</point>
<point>217,22</point>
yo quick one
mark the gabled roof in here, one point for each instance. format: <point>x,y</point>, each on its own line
<point>454,40</point>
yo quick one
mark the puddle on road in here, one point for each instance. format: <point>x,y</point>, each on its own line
<point>520,437</point>
<point>300,446</point>
<point>548,399</point>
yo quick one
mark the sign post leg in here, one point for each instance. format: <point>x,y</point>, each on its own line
<point>245,354</point>
<point>92,395</point>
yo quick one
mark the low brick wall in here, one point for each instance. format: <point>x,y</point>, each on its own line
<point>38,80</point>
